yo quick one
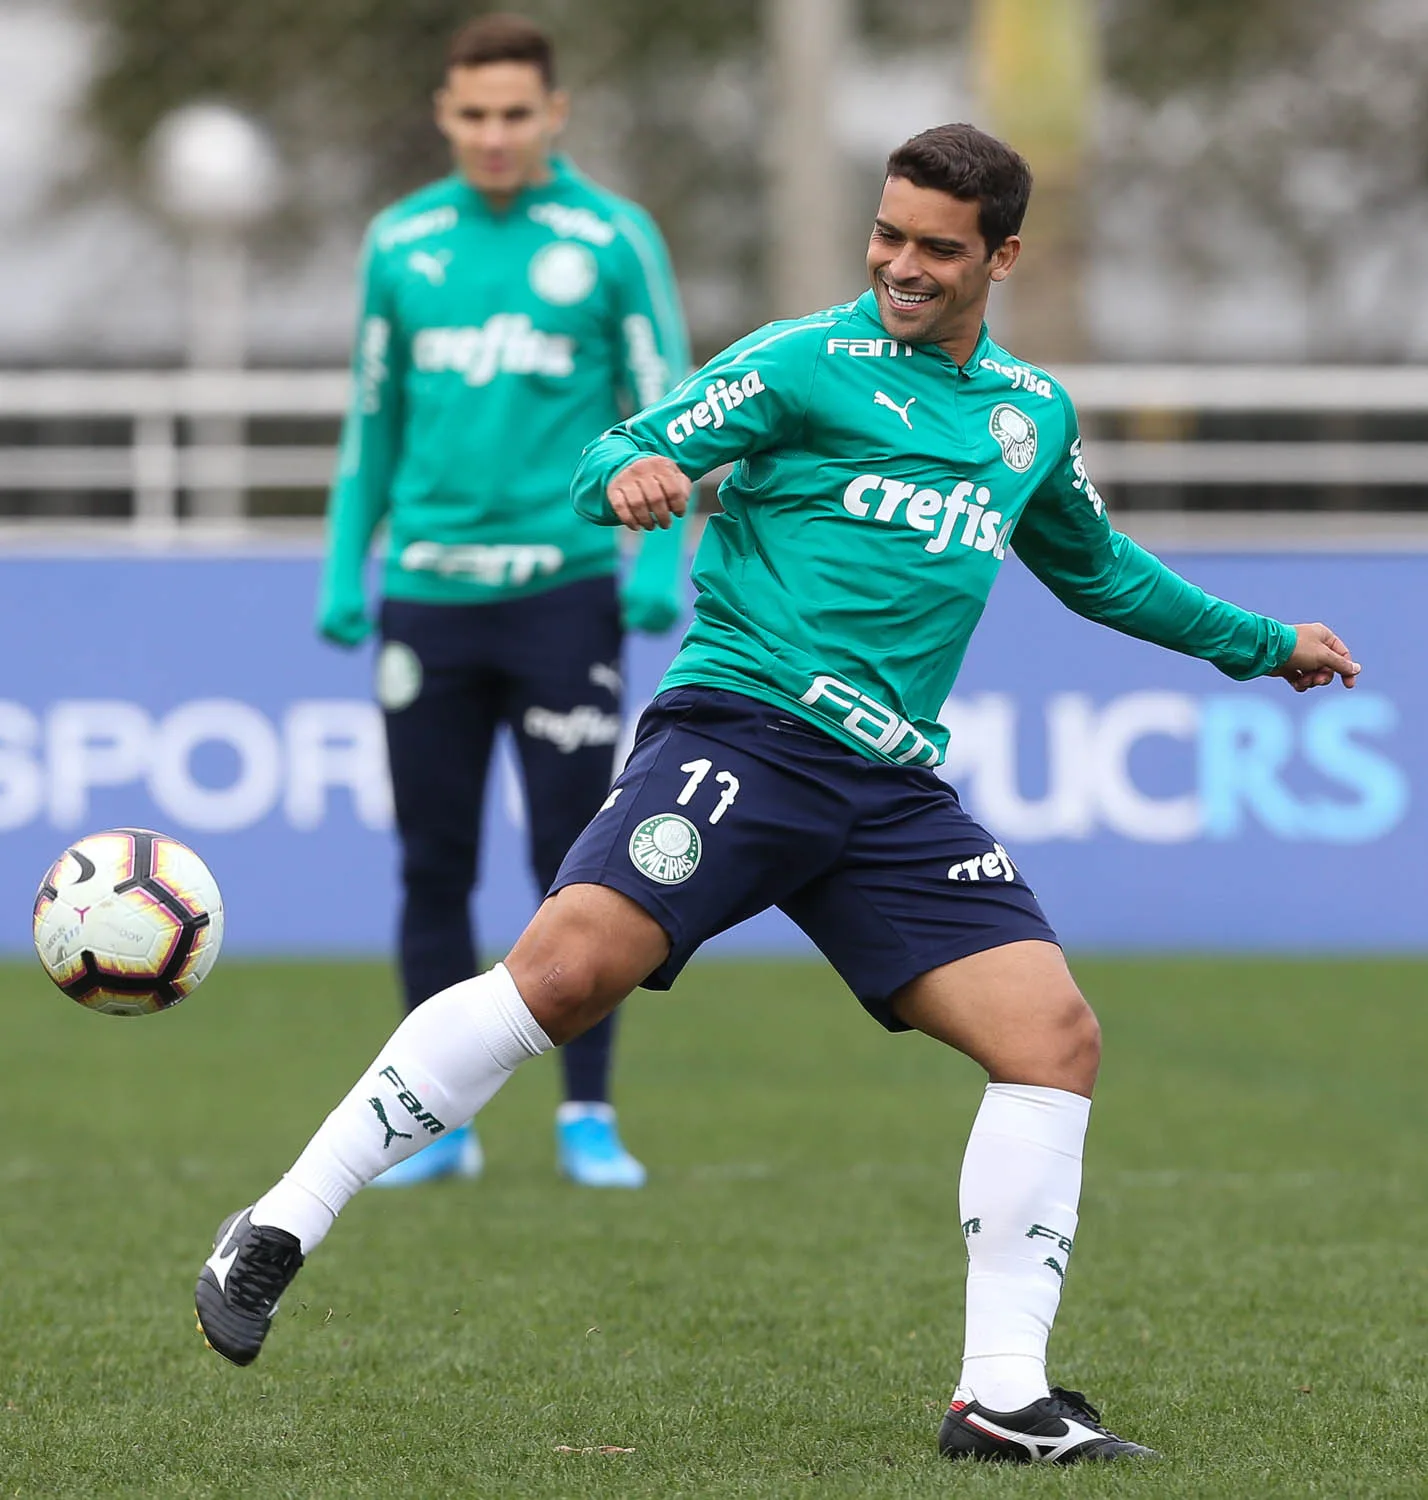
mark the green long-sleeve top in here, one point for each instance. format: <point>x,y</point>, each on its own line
<point>492,345</point>
<point>876,487</point>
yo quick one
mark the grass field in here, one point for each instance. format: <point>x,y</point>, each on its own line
<point>778,1313</point>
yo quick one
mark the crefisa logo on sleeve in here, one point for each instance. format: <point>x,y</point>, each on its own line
<point>720,396</point>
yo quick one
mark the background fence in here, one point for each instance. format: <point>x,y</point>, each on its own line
<point>142,445</point>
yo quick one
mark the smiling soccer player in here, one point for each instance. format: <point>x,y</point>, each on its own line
<point>886,454</point>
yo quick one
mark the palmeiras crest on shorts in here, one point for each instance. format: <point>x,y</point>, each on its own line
<point>563,274</point>
<point>1015,433</point>
<point>666,847</point>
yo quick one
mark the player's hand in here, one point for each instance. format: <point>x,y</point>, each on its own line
<point>650,492</point>
<point>1319,657</point>
<point>344,621</point>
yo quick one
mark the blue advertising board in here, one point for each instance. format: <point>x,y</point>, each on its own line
<point>1151,802</point>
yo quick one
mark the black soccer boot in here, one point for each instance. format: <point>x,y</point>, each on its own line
<point>1062,1428</point>
<point>239,1286</point>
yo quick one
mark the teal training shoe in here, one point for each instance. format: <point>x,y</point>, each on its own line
<point>589,1149</point>
<point>457,1153</point>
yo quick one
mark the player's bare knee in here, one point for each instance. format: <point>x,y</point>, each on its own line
<point>552,982</point>
<point>1077,1044</point>
<point>566,998</point>
<point>570,968</point>
<point>562,988</point>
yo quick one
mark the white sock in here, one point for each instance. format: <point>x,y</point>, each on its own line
<point>437,1069</point>
<point>1021,1184</point>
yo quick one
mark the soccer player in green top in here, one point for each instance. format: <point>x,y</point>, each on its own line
<point>886,454</point>
<point>511,312</point>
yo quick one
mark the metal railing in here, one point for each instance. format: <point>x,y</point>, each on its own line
<point>164,411</point>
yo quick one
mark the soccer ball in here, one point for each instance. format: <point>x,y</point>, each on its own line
<point>128,922</point>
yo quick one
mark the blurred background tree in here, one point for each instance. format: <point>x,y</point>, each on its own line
<point>667,93</point>
<point>356,76</point>
<point>1289,137</point>
<point>1275,152</point>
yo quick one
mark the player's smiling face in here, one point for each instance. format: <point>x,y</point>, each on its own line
<point>929,266</point>
<point>501,122</point>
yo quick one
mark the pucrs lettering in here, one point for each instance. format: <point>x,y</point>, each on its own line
<point>573,223</point>
<point>720,397</point>
<point>1323,772</point>
<point>1082,480</point>
<point>1022,377</point>
<point>870,721</point>
<point>870,348</point>
<point>930,511</point>
<point>433,221</point>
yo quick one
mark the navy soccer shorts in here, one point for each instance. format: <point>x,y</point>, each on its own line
<point>728,806</point>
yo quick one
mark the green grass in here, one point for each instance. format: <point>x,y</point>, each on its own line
<point>778,1314</point>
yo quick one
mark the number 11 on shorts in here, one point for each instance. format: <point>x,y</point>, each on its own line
<point>698,770</point>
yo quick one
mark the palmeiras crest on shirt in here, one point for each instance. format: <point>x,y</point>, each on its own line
<point>666,847</point>
<point>563,274</point>
<point>1015,433</point>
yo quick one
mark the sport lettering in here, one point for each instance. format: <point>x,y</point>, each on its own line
<point>932,513</point>
<point>720,397</point>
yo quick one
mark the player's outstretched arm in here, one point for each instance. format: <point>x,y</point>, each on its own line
<point>1319,657</point>
<point>1066,539</point>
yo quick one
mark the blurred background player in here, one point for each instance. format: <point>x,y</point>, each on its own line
<point>511,312</point>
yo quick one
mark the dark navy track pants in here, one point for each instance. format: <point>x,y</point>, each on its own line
<point>448,675</point>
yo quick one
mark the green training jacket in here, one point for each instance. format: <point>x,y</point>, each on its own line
<point>492,346</point>
<point>876,488</point>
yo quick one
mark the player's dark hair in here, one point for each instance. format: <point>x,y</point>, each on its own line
<point>969,164</point>
<point>503,38</point>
